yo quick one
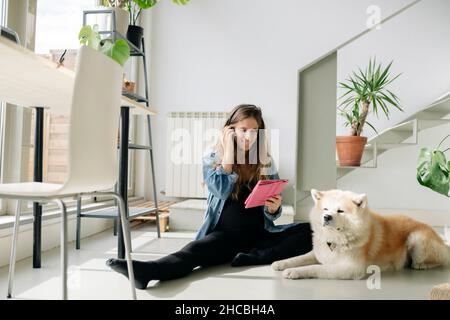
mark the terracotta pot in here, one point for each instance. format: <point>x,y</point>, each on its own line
<point>350,149</point>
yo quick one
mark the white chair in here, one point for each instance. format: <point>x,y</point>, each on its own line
<point>94,121</point>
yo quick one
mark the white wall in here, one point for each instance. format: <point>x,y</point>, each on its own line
<point>213,54</point>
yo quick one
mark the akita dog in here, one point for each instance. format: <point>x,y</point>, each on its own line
<point>348,238</point>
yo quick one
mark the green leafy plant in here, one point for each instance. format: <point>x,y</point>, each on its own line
<point>115,3</point>
<point>118,51</point>
<point>135,7</point>
<point>433,170</point>
<point>366,91</point>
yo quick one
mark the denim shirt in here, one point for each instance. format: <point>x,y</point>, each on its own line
<point>220,185</point>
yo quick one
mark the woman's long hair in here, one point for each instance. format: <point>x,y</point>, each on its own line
<point>259,157</point>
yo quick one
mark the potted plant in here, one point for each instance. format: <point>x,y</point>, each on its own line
<point>135,7</point>
<point>121,13</point>
<point>366,92</point>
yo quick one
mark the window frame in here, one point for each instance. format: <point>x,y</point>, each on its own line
<point>16,137</point>
<point>3,22</point>
<point>3,11</point>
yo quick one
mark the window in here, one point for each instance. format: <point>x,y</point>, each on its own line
<point>3,4</point>
<point>58,23</point>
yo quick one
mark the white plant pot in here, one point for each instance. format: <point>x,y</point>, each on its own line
<point>122,20</point>
<point>105,22</point>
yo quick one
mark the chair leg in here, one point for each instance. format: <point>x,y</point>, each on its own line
<point>64,259</point>
<point>78,236</point>
<point>127,240</point>
<point>12,259</point>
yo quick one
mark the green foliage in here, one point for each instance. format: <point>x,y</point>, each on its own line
<point>118,51</point>
<point>89,37</point>
<point>145,4</point>
<point>354,117</point>
<point>366,91</point>
<point>135,7</point>
<point>115,3</point>
<point>433,170</point>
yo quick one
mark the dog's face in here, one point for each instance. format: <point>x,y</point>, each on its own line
<point>338,211</point>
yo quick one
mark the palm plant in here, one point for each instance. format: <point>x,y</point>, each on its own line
<point>366,92</point>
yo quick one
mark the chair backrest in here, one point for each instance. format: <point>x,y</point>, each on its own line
<point>94,123</point>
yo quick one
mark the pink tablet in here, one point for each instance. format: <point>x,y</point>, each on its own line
<point>263,190</point>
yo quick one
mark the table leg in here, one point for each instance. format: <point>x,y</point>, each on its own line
<point>123,172</point>
<point>37,208</point>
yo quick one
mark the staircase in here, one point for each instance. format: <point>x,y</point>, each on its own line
<point>316,161</point>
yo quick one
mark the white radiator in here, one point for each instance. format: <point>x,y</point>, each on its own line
<point>189,135</point>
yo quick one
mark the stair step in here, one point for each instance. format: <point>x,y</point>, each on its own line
<point>387,146</point>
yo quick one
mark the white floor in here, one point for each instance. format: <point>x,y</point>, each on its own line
<point>89,278</point>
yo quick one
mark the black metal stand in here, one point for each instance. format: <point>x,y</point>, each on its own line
<point>123,172</point>
<point>124,147</point>
<point>150,143</point>
<point>38,166</point>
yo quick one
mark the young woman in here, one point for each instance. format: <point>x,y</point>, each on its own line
<point>230,232</point>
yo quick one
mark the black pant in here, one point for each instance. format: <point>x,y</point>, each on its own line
<point>220,247</point>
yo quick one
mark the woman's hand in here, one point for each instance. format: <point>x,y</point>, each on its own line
<point>273,203</point>
<point>227,140</point>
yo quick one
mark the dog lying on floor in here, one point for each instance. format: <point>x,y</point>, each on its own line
<point>348,238</point>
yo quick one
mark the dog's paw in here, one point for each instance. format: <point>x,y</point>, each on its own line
<point>292,273</point>
<point>422,266</point>
<point>278,266</point>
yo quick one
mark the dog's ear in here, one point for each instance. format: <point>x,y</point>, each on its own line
<point>316,195</point>
<point>360,200</point>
